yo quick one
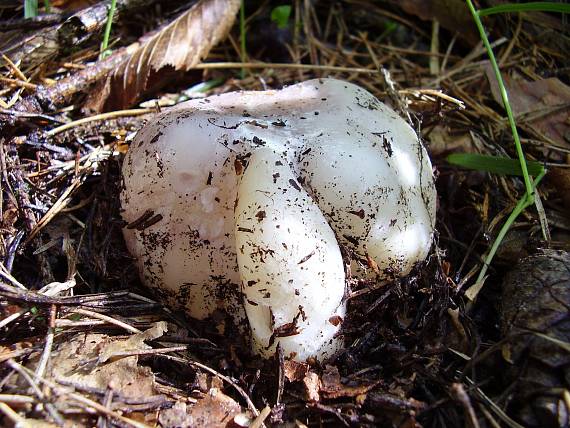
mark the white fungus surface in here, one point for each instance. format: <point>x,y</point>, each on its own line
<point>240,201</point>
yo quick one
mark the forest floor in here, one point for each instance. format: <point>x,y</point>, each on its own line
<point>83,343</point>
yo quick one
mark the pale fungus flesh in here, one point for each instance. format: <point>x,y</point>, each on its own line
<point>243,201</point>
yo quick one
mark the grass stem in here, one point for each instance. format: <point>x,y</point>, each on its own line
<point>523,203</point>
<point>504,97</point>
<point>537,6</point>
<point>30,8</point>
<point>108,26</point>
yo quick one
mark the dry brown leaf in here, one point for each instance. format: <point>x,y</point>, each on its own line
<point>452,14</point>
<point>179,46</point>
<point>215,410</point>
<point>312,384</point>
<point>443,142</point>
<point>295,371</point>
<point>133,343</point>
<point>331,385</point>
<point>543,104</point>
<point>87,360</point>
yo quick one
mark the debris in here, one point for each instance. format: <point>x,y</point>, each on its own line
<point>215,410</point>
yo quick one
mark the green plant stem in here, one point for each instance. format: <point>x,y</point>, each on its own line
<point>242,36</point>
<point>538,6</point>
<point>47,6</point>
<point>504,97</point>
<point>523,203</point>
<point>30,8</point>
<point>108,26</point>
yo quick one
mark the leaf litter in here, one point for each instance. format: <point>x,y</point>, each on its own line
<point>77,349</point>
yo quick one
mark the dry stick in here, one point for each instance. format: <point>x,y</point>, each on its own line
<point>433,92</point>
<point>61,202</point>
<point>49,290</point>
<point>220,65</point>
<point>42,364</point>
<point>367,289</point>
<point>8,276</point>
<point>102,116</point>
<point>106,318</point>
<point>64,89</point>
<point>258,421</point>
<point>44,299</point>
<point>307,29</point>
<point>462,396</point>
<point>12,318</point>
<point>14,68</point>
<point>448,52</point>
<point>141,352</point>
<point>370,50</point>
<point>467,61</point>
<point>493,406</point>
<point>434,67</point>
<point>63,323</point>
<point>16,419</point>
<point>24,373</point>
<point>79,398</point>
<point>512,43</point>
<point>103,421</point>
<point>16,399</point>
<point>26,115</point>
<point>98,407</point>
<point>17,184</point>
<point>488,416</point>
<point>17,82</point>
<point>97,155</point>
<point>238,388</point>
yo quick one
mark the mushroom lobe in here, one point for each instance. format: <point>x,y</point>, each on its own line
<point>240,202</point>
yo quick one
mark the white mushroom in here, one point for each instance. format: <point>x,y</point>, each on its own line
<point>241,201</point>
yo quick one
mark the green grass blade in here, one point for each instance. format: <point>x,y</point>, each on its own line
<point>47,6</point>
<point>504,96</point>
<point>539,6</point>
<point>523,203</point>
<point>494,164</point>
<point>108,26</point>
<point>30,8</point>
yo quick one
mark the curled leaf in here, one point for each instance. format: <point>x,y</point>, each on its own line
<point>179,46</point>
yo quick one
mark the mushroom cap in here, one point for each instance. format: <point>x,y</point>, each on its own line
<point>353,157</point>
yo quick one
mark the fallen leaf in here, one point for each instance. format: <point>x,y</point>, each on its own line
<point>543,104</point>
<point>295,371</point>
<point>311,382</point>
<point>133,343</point>
<point>451,14</point>
<point>442,142</point>
<point>331,385</point>
<point>87,360</point>
<point>215,410</point>
<point>177,47</point>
